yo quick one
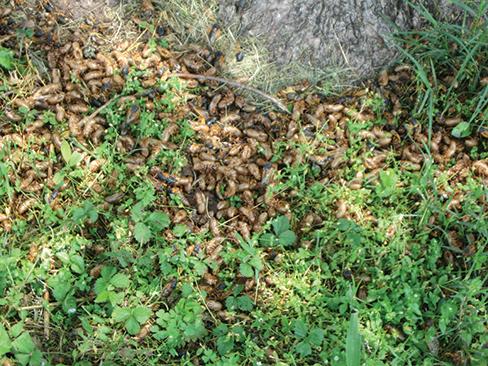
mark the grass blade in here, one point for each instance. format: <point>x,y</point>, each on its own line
<point>353,342</point>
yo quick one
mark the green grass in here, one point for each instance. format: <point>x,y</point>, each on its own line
<point>399,278</point>
<point>449,61</point>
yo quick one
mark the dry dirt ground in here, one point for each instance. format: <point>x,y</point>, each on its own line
<point>98,9</point>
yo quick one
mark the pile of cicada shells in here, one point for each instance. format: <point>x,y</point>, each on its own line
<point>233,156</point>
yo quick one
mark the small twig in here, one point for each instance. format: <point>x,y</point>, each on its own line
<point>46,315</point>
<point>98,110</point>
<point>39,306</point>
<point>5,38</point>
<point>235,84</point>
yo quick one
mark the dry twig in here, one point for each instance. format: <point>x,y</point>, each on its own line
<point>235,84</point>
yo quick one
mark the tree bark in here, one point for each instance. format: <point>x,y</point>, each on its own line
<point>351,34</point>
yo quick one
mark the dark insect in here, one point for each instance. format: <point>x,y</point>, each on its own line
<point>132,117</point>
<point>48,7</point>
<point>160,30</point>
<point>106,85</point>
<point>38,32</point>
<point>52,196</point>
<point>211,121</point>
<point>214,33</point>
<point>239,56</point>
<point>347,274</point>
<point>240,4</point>
<point>169,287</point>
<point>96,102</point>
<point>218,58</point>
<point>166,179</point>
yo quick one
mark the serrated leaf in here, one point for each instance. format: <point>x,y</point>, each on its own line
<point>132,326</point>
<point>17,329</point>
<point>158,221</point>
<point>186,290</point>
<point>58,178</point>
<point>287,238</point>
<point>142,233</point>
<point>303,349</point>
<point>316,336</point>
<point>300,328</point>
<point>36,358</point>
<point>22,358</point>
<point>231,303</point>
<point>344,225</point>
<point>461,130</point>
<point>120,280</point>
<point>102,296</point>
<point>267,240</point>
<point>61,284</point>
<point>200,268</point>
<point>121,314</point>
<point>246,270</point>
<point>281,224</point>
<point>353,342</point>
<point>77,263</point>
<point>107,273</point>
<point>180,230</point>
<point>195,330</point>
<point>142,314</point>
<point>245,303</point>
<point>137,212</point>
<point>220,330</point>
<point>24,343</point>
<point>115,298</point>
<point>75,159</point>
<point>224,345</point>
<point>23,109</point>
<point>5,343</point>
<point>6,58</point>
<point>66,151</point>
<point>256,263</point>
<point>101,285</point>
<point>388,181</point>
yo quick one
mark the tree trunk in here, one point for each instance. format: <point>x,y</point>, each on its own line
<point>326,33</point>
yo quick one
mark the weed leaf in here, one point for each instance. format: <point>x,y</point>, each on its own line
<point>132,326</point>
<point>316,336</point>
<point>121,314</point>
<point>24,343</point>
<point>120,280</point>
<point>158,221</point>
<point>141,313</point>
<point>142,233</point>
<point>245,303</point>
<point>66,151</point>
<point>303,349</point>
<point>281,224</point>
<point>6,58</point>
<point>300,328</point>
<point>246,270</point>
<point>462,130</point>
<point>287,238</point>
<point>5,344</point>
